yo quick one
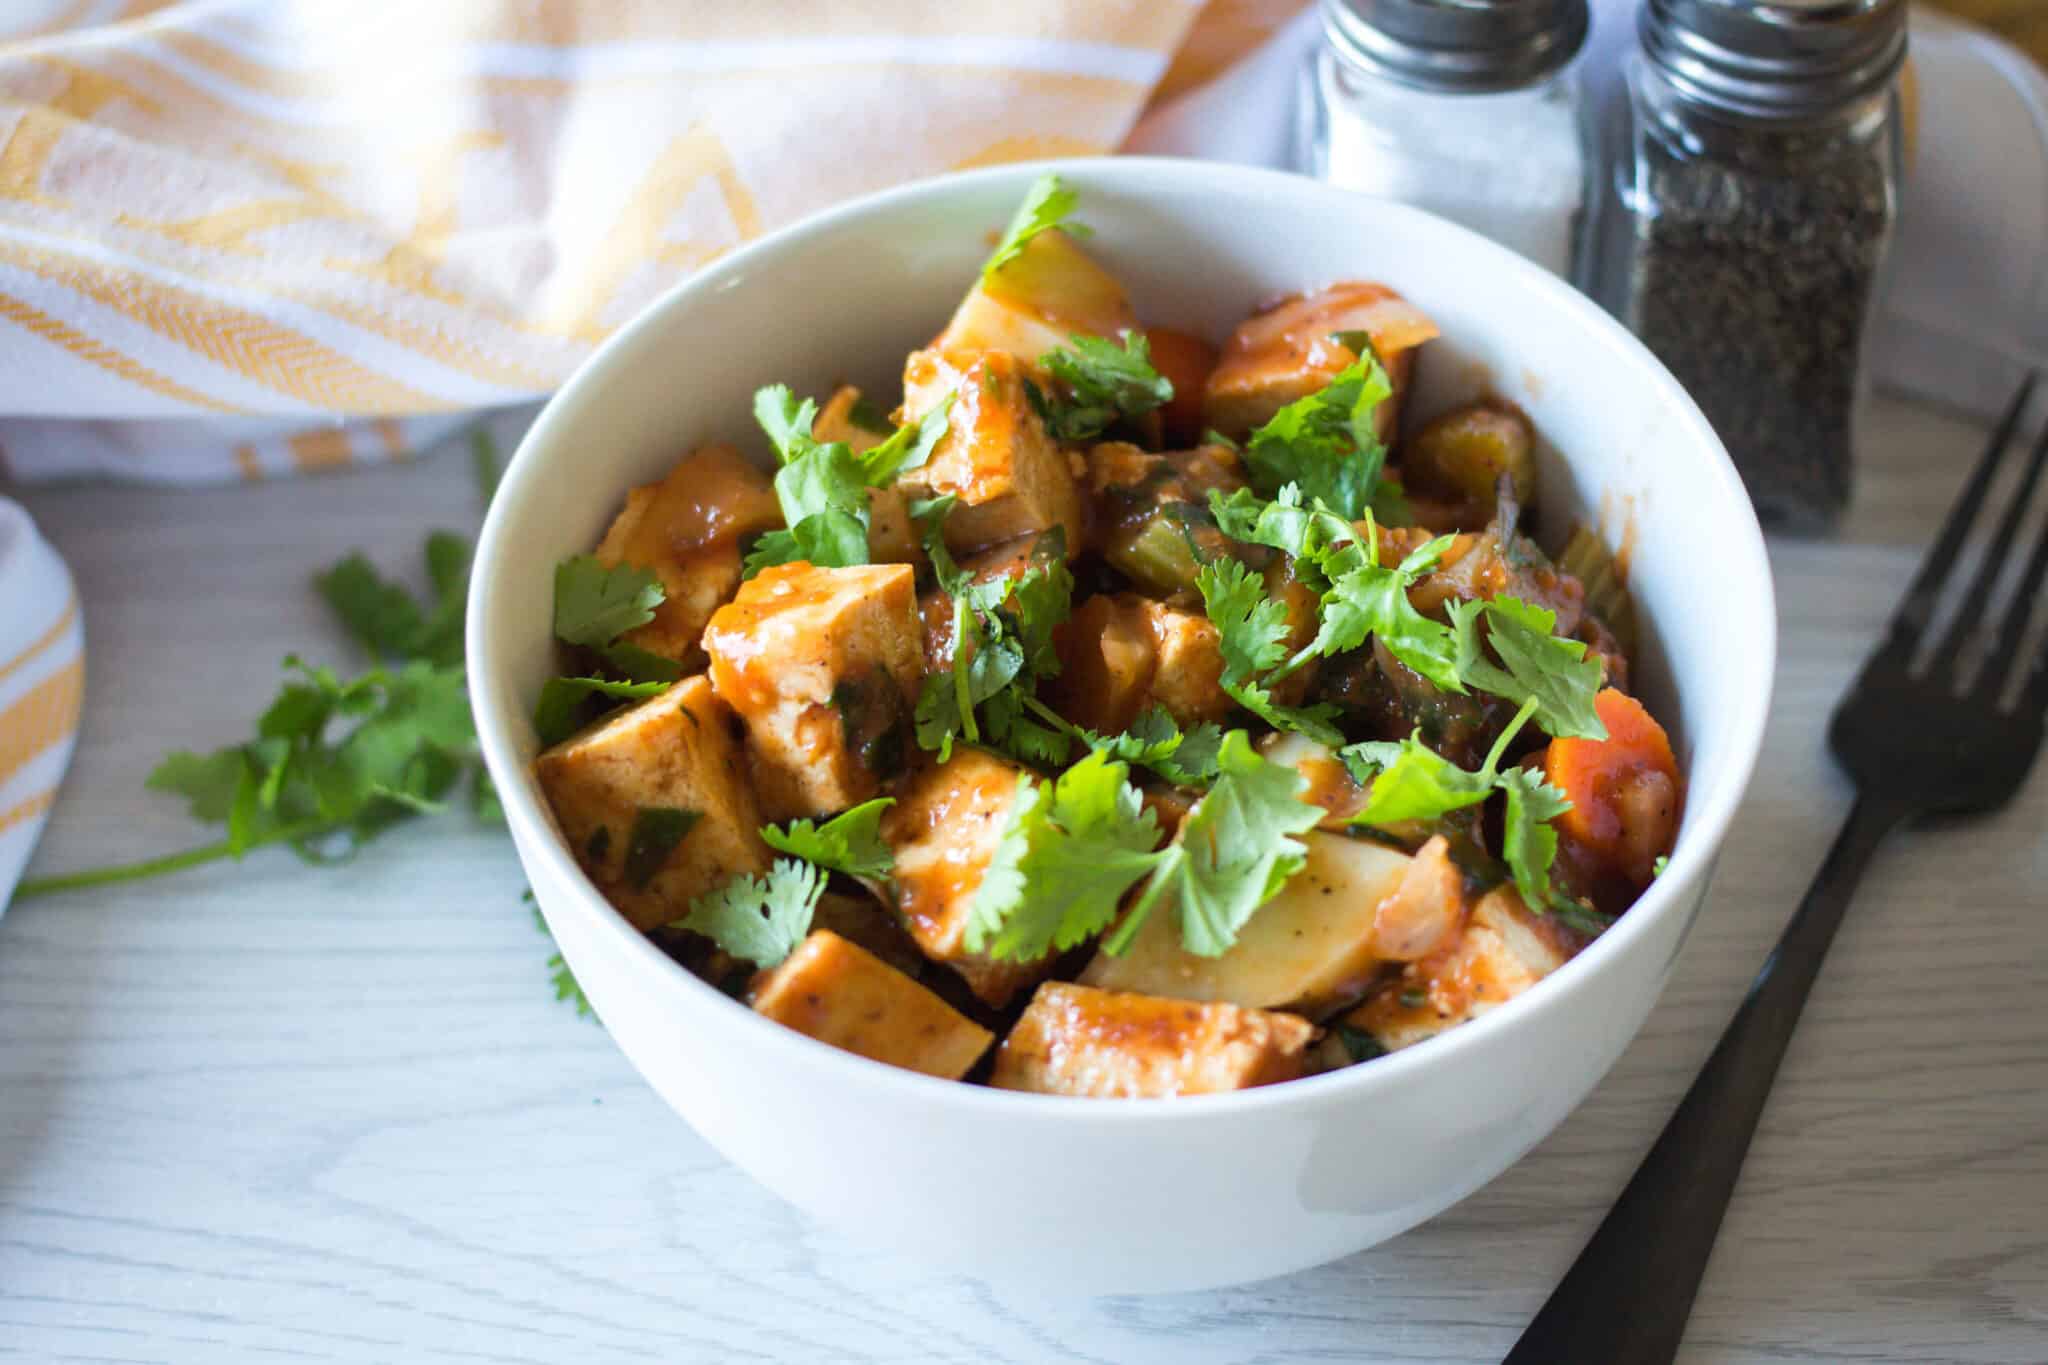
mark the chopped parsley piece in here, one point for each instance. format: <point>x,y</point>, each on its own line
<point>561,712</point>
<point>1232,854</point>
<point>595,605</point>
<point>1048,204</point>
<point>849,842</point>
<point>761,919</point>
<point>1071,849</point>
<point>656,832</point>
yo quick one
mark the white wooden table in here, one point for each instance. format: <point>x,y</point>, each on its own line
<point>259,1112</point>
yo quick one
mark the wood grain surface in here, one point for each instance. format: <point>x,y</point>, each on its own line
<point>261,1113</point>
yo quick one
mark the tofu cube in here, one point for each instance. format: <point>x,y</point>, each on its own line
<point>675,751</point>
<point>996,458</point>
<point>686,530</point>
<point>1037,301</point>
<point>839,993</point>
<point>1120,654</point>
<point>1504,950</point>
<point>943,830</point>
<point>1290,351</point>
<point>1076,1040</point>
<point>823,666</point>
<point>1312,948</point>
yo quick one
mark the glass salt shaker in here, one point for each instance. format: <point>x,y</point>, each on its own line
<point>1468,108</point>
<point>1754,157</point>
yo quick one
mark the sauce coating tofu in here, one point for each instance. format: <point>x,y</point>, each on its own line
<point>822,666</point>
<point>839,993</point>
<point>1289,351</point>
<point>943,830</point>
<point>1312,948</point>
<point>686,530</point>
<point>1121,653</point>
<point>675,751</point>
<point>1037,301</point>
<point>1504,950</point>
<point>996,457</point>
<point>1075,1040</point>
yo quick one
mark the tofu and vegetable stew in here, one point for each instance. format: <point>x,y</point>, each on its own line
<point>1117,715</point>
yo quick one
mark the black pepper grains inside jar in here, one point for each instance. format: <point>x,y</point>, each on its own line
<point>1745,229</point>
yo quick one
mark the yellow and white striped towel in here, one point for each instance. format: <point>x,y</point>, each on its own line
<point>42,678</point>
<point>241,238</point>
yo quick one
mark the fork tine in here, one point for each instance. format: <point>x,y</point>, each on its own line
<point>2003,656</point>
<point>1971,610</point>
<point>1917,609</point>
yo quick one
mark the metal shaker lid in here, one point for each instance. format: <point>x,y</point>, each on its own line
<point>1467,46</point>
<point>1775,59</point>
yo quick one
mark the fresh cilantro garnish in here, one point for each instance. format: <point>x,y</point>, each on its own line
<point>908,447</point>
<point>1535,665</point>
<point>1047,204</point>
<point>1326,442</point>
<point>1371,601</point>
<point>1099,382</point>
<point>594,605</point>
<point>761,919</point>
<point>1232,854</point>
<point>1071,849</point>
<point>1184,758</point>
<point>638,665</point>
<point>849,842</point>
<point>1660,866</point>
<point>560,712</point>
<point>656,832</point>
<point>1358,1045</point>
<point>1253,628</point>
<point>1528,842</point>
<point>868,416</point>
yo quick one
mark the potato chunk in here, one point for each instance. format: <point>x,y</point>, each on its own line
<point>996,457</point>
<point>838,993</point>
<point>1504,950</point>
<point>1075,1040</point>
<point>1037,301</point>
<point>822,665</point>
<point>1289,352</point>
<point>1121,654</point>
<point>686,531</point>
<point>675,751</point>
<point>943,830</point>
<point>1311,948</point>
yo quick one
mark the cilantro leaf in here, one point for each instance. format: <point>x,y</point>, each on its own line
<point>1318,721</point>
<point>1326,442</point>
<point>1528,842</point>
<point>560,710</point>
<point>787,421</point>
<point>1002,639</point>
<point>639,665</point>
<point>1071,849</point>
<point>656,832</point>
<point>1410,781</point>
<point>1233,853</point>
<point>908,447</point>
<point>761,919</point>
<point>1184,758</point>
<point>1535,664</point>
<point>1047,204</point>
<point>849,842</point>
<point>1252,626</point>
<point>1100,382</point>
<point>595,605</point>
<point>1371,601</point>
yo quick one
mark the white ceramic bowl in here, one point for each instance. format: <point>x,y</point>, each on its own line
<point>1137,1195</point>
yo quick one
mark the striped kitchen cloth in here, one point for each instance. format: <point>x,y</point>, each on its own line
<point>42,679</point>
<point>243,238</point>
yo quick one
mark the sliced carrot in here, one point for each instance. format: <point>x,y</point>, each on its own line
<point>1624,789</point>
<point>1186,361</point>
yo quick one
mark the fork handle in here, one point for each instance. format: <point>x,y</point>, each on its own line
<point>1626,1298</point>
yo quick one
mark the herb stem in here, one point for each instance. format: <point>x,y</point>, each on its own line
<point>1500,746</point>
<point>157,867</point>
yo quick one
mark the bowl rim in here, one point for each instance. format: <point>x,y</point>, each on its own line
<point>1691,858</point>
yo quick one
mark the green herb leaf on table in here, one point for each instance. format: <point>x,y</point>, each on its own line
<point>850,842</point>
<point>1232,854</point>
<point>1047,204</point>
<point>1072,847</point>
<point>594,605</point>
<point>561,711</point>
<point>761,919</point>
<point>1535,664</point>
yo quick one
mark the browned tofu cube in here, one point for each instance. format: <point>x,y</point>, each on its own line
<point>686,531</point>
<point>1121,654</point>
<point>1038,301</point>
<point>1504,950</point>
<point>823,665</point>
<point>1290,351</point>
<point>943,831</point>
<point>838,993</point>
<point>996,458</point>
<point>1076,1040</point>
<point>673,752</point>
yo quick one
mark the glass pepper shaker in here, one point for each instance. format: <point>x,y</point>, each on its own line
<point>1468,108</point>
<point>1742,231</point>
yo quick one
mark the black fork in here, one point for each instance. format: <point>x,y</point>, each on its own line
<point>1933,726</point>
